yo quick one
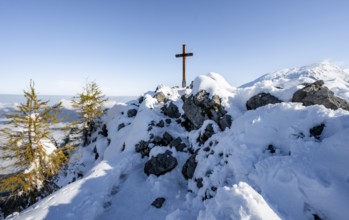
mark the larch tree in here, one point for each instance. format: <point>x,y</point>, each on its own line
<point>28,144</point>
<point>89,103</point>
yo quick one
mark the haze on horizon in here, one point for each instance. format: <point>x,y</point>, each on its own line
<point>129,47</point>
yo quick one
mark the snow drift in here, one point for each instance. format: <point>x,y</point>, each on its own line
<point>278,161</point>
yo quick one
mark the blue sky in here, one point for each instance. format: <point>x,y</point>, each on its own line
<point>128,47</point>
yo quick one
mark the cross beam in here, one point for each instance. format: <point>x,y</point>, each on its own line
<point>184,55</point>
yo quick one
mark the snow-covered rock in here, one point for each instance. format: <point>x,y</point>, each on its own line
<point>272,162</point>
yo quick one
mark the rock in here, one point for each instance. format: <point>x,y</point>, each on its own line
<point>171,111</point>
<point>168,120</point>
<point>160,164</point>
<point>318,94</point>
<point>176,142</point>
<point>317,131</point>
<point>143,148</point>
<point>96,152</point>
<point>131,113</point>
<point>140,99</point>
<point>271,148</point>
<point>206,134</point>
<point>161,124</point>
<point>160,97</point>
<point>260,100</point>
<point>181,147</point>
<point>225,122</point>
<point>199,183</point>
<point>189,167</point>
<point>166,138</point>
<point>200,107</point>
<point>120,126</point>
<point>104,131</point>
<point>158,202</point>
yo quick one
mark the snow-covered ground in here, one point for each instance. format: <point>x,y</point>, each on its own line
<point>305,178</point>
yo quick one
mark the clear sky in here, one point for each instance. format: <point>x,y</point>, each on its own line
<point>128,46</point>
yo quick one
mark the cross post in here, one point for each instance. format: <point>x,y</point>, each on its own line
<point>184,55</point>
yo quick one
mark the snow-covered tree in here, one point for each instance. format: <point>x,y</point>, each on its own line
<point>28,143</point>
<point>89,104</point>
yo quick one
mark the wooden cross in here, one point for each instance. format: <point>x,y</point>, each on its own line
<point>184,55</point>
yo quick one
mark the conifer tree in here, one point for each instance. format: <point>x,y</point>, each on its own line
<point>89,104</point>
<point>27,141</point>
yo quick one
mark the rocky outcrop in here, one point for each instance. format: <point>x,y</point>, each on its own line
<point>160,164</point>
<point>160,97</point>
<point>158,202</point>
<point>318,94</point>
<point>261,99</point>
<point>317,131</point>
<point>189,167</point>
<point>171,111</point>
<point>200,107</point>
<point>143,148</point>
<point>131,113</point>
<point>209,131</point>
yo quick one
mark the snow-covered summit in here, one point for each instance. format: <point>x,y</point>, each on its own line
<point>200,154</point>
<point>335,78</point>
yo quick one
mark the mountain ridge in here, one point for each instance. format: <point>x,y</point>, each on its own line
<point>278,161</point>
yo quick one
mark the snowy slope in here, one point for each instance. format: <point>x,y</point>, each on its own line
<point>304,178</point>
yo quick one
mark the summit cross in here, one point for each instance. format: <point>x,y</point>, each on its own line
<point>184,55</point>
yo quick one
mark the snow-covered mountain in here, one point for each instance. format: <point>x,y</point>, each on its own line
<point>199,153</point>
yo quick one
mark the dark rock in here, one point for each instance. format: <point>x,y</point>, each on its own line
<point>176,142</point>
<point>124,146</point>
<point>168,121</point>
<point>271,148</point>
<point>140,99</point>
<point>95,152</point>
<point>189,167</point>
<point>199,182</point>
<point>104,131</point>
<point>143,148</point>
<point>318,94</point>
<point>209,131</point>
<point>260,100</point>
<point>160,97</point>
<point>160,164</point>
<point>131,113</point>
<point>225,122</point>
<point>161,124</point>
<point>181,147</point>
<point>157,141</point>
<point>200,107</point>
<point>171,111</point>
<point>158,202</point>
<point>120,126</point>
<point>166,138</point>
<point>317,131</point>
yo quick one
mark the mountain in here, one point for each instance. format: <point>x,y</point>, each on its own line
<point>274,148</point>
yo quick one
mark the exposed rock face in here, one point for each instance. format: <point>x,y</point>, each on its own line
<point>318,94</point>
<point>317,131</point>
<point>200,107</point>
<point>171,111</point>
<point>143,148</point>
<point>158,202</point>
<point>131,113</point>
<point>160,164</point>
<point>189,167</point>
<point>206,134</point>
<point>120,126</point>
<point>160,97</point>
<point>260,100</point>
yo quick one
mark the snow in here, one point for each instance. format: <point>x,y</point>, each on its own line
<point>241,178</point>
